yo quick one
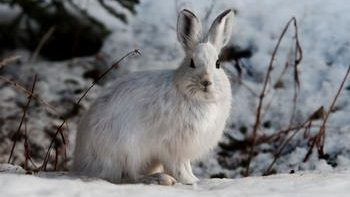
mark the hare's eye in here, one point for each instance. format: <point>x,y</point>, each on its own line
<point>217,64</point>
<point>192,64</point>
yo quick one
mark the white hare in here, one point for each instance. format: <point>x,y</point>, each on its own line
<point>148,126</point>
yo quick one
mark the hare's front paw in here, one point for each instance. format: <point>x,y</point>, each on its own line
<point>182,172</point>
<point>188,179</point>
<point>158,179</point>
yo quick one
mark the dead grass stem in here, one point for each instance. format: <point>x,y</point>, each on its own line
<point>25,109</point>
<point>59,129</point>
<point>298,58</point>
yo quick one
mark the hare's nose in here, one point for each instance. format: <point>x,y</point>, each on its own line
<point>206,83</point>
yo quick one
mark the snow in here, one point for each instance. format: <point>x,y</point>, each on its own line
<point>58,184</point>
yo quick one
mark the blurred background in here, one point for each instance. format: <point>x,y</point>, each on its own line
<point>61,47</point>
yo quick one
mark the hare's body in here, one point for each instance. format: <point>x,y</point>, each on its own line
<point>152,119</point>
<point>169,129</point>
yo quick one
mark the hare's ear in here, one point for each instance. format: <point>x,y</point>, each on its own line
<point>220,31</point>
<point>188,29</point>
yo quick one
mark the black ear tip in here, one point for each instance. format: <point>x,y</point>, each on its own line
<point>228,11</point>
<point>187,12</point>
<point>225,13</point>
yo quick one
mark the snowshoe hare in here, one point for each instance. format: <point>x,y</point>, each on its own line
<point>148,126</point>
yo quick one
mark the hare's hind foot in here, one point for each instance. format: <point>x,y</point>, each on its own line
<point>158,179</point>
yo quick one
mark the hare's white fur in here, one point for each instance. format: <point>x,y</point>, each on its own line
<point>153,119</point>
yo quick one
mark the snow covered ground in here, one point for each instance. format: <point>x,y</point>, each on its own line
<point>282,185</point>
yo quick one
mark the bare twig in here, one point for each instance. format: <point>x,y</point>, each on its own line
<point>298,56</point>
<point>319,139</point>
<point>9,60</point>
<point>56,158</point>
<point>306,125</point>
<point>241,82</point>
<point>29,93</point>
<point>323,126</point>
<point>65,146</point>
<point>25,109</point>
<point>280,149</point>
<point>45,103</point>
<point>248,87</point>
<point>47,156</point>
<point>42,42</point>
<point>27,149</point>
<point>26,146</point>
<point>114,65</point>
<point>262,95</point>
<point>59,129</point>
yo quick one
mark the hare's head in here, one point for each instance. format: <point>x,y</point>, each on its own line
<point>200,74</point>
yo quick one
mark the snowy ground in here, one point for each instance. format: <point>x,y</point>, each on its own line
<point>324,35</point>
<point>57,185</point>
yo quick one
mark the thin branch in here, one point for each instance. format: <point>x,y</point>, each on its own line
<point>9,60</point>
<point>241,82</point>
<point>114,65</point>
<point>320,138</point>
<point>307,125</point>
<point>47,156</point>
<point>42,42</point>
<point>59,129</point>
<point>45,103</point>
<point>15,136</point>
<point>298,56</point>
<point>29,93</point>
<point>333,103</point>
<point>262,95</point>
<point>26,146</point>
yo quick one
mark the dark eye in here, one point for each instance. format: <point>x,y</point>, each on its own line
<point>217,64</point>
<point>192,64</point>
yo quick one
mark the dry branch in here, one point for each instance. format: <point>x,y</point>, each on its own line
<point>47,156</point>
<point>305,125</point>
<point>25,109</point>
<point>29,93</point>
<point>114,65</point>
<point>319,139</point>
<point>9,60</point>
<point>59,129</point>
<point>42,42</point>
<point>26,146</point>
<point>263,91</point>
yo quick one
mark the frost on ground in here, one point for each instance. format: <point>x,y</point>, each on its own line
<point>324,35</point>
<point>55,184</point>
